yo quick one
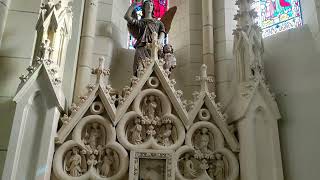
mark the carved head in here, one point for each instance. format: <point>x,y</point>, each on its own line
<point>147,8</point>
<point>109,152</point>
<point>137,120</point>
<point>152,98</point>
<point>75,150</point>
<point>218,156</point>
<point>168,126</point>
<point>168,48</point>
<point>187,156</point>
<point>204,130</point>
<point>95,125</point>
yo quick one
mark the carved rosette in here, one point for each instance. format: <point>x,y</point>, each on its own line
<point>93,152</point>
<point>151,125</point>
<point>205,155</point>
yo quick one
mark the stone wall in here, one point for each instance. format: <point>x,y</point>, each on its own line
<point>15,56</point>
<point>292,67</point>
<point>186,38</point>
<point>16,52</point>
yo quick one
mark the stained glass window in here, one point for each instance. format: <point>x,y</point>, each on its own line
<point>160,7</point>
<point>278,15</point>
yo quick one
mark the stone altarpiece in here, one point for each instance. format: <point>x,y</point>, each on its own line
<point>147,130</point>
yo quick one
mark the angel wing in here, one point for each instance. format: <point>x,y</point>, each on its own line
<point>226,166</point>
<point>196,139</point>
<point>174,134</point>
<point>116,162</point>
<point>84,166</point>
<point>168,17</point>
<point>211,145</point>
<point>66,163</point>
<point>159,107</point>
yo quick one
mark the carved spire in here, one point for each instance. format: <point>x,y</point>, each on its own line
<point>248,43</point>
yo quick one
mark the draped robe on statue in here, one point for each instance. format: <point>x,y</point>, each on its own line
<point>142,30</point>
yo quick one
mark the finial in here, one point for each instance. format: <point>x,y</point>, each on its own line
<point>203,78</point>
<point>100,70</point>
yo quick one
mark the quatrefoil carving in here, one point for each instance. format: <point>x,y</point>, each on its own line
<point>205,155</point>
<point>151,124</point>
<point>93,152</point>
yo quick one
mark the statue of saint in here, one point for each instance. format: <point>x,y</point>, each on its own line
<point>136,131</point>
<point>204,139</point>
<point>92,137</point>
<point>188,167</point>
<point>166,139</point>
<point>106,168</point>
<point>73,165</point>
<point>142,29</point>
<point>220,168</point>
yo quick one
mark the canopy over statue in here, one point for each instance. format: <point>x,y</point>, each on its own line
<point>142,30</point>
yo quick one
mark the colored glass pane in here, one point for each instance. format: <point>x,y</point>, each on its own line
<point>160,7</point>
<point>278,15</point>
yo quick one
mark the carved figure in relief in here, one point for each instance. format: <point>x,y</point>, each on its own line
<point>189,170</point>
<point>167,135</point>
<point>203,140</point>
<point>169,59</point>
<point>136,132</point>
<point>92,136</point>
<point>73,165</point>
<point>107,169</point>
<point>220,168</point>
<point>149,109</point>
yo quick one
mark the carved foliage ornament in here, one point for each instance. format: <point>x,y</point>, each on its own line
<point>93,152</point>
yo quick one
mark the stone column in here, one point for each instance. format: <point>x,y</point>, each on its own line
<point>86,47</point>
<point>208,41</point>
<point>4,6</point>
<point>248,165</point>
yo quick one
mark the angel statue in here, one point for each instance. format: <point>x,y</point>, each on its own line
<point>142,29</point>
<point>204,141</point>
<point>107,168</point>
<point>136,132</point>
<point>75,163</point>
<point>167,135</point>
<point>220,167</point>
<point>92,136</point>
<point>151,109</point>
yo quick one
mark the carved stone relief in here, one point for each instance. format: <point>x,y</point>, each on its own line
<point>205,155</point>
<point>92,152</point>
<point>151,123</point>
